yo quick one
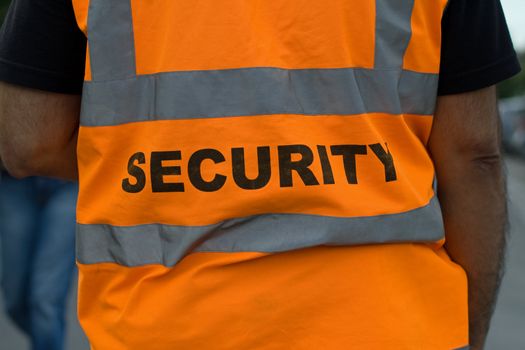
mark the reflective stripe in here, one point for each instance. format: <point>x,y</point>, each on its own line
<point>111,42</point>
<point>464,348</point>
<point>257,91</point>
<point>166,244</point>
<point>117,96</point>
<point>393,32</point>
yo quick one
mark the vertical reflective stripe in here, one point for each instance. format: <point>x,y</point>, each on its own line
<point>393,32</point>
<point>112,49</point>
<point>111,41</point>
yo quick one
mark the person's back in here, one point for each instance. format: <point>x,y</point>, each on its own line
<point>256,175</point>
<point>225,134</point>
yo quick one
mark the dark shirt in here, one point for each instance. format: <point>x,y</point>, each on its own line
<point>41,46</point>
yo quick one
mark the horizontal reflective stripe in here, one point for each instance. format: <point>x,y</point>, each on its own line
<point>167,244</point>
<point>257,91</point>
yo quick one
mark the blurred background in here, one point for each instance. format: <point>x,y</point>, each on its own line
<point>507,325</point>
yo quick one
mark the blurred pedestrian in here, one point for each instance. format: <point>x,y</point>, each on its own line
<point>37,224</point>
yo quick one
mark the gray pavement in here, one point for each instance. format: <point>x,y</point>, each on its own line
<point>508,325</point>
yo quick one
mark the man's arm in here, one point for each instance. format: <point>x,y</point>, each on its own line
<point>38,132</point>
<point>465,147</point>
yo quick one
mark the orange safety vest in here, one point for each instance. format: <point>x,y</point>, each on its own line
<point>254,175</point>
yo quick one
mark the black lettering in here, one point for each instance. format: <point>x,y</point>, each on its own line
<point>386,159</point>
<point>194,170</point>
<point>158,172</point>
<point>328,175</point>
<point>137,173</point>
<point>349,153</point>
<point>286,165</point>
<point>239,169</point>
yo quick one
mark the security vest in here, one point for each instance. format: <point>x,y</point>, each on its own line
<point>254,175</point>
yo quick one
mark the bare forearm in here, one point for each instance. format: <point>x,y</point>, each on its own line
<point>56,162</point>
<point>465,147</point>
<point>38,132</point>
<point>59,165</point>
<point>472,195</point>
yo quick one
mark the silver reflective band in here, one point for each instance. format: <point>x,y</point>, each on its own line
<point>111,41</point>
<point>167,244</point>
<point>116,95</point>
<point>257,91</point>
<point>393,32</point>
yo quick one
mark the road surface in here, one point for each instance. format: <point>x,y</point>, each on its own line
<point>508,325</point>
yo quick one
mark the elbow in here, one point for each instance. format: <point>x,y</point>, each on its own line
<point>39,158</point>
<point>21,162</point>
<point>17,167</point>
<point>490,163</point>
<point>486,156</point>
<point>481,153</point>
<point>474,160</point>
<point>482,161</point>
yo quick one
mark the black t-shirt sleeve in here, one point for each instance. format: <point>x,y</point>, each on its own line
<point>477,51</point>
<point>42,47</point>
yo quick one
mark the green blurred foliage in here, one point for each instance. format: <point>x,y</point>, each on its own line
<point>4,5</point>
<point>516,85</point>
